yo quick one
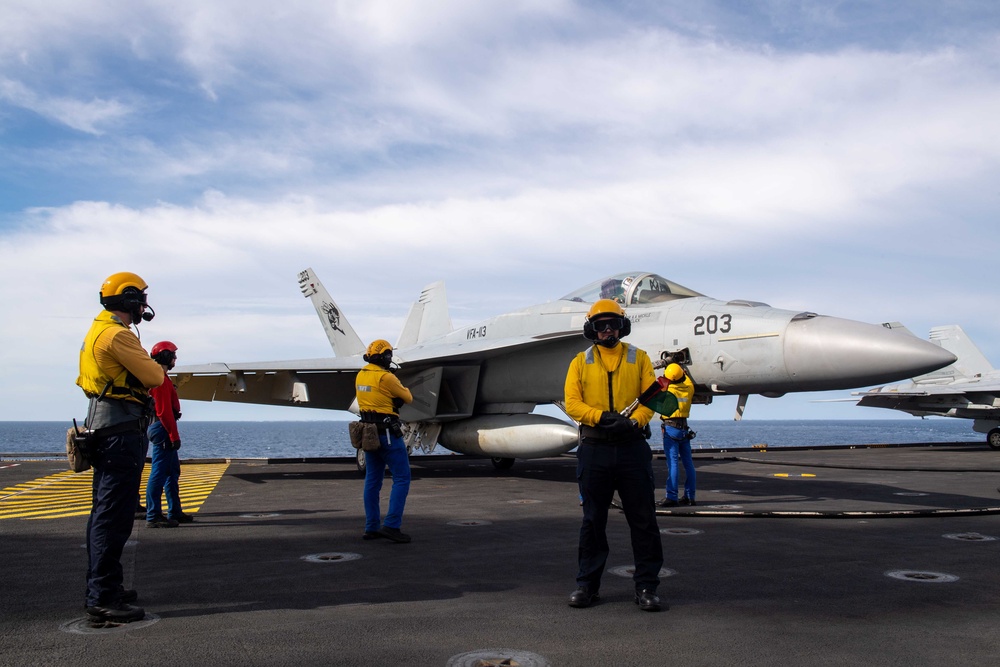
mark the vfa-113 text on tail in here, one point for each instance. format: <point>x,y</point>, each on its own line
<point>475,388</point>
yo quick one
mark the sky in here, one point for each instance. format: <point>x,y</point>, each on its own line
<point>836,157</point>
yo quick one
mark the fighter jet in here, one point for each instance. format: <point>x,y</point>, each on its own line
<point>967,389</point>
<point>475,388</point>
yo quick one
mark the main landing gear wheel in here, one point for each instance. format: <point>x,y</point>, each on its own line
<point>501,463</point>
<point>993,438</point>
<point>360,460</point>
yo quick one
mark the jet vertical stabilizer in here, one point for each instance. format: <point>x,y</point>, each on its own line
<point>428,317</point>
<point>343,339</point>
<point>971,361</point>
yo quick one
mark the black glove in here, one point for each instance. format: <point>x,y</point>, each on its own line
<point>617,424</point>
<point>609,419</point>
<point>177,415</point>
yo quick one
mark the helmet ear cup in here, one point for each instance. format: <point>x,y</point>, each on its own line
<point>164,357</point>
<point>132,298</point>
<point>384,359</point>
<point>626,327</point>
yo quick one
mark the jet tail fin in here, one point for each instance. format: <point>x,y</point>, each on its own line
<point>428,317</point>
<point>971,361</point>
<point>343,339</point>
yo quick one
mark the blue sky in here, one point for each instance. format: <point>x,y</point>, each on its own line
<point>838,157</point>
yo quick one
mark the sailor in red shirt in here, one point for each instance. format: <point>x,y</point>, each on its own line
<point>165,440</point>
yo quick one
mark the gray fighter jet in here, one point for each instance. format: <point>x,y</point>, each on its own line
<point>967,389</point>
<point>475,388</point>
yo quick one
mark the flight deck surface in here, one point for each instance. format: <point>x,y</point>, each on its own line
<point>884,556</point>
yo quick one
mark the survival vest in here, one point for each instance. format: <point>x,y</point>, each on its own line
<point>93,379</point>
<point>626,379</point>
<point>683,390</point>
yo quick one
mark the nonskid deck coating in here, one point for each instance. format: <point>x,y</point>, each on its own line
<point>493,560</point>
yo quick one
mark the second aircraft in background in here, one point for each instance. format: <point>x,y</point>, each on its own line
<point>967,389</point>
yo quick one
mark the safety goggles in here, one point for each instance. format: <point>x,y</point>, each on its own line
<point>608,324</point>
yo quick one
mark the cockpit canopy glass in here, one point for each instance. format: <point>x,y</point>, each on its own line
<point>632,289</point>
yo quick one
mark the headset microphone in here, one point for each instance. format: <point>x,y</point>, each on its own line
<point>149,314</point>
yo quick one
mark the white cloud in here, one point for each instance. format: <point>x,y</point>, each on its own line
<point>83,115</point>
<point>514,149</point>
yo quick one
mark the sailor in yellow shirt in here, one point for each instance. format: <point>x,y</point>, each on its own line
<point>380,394</point>
<point>677,438</point>
<point>613,454</point>
<point>116,375</point>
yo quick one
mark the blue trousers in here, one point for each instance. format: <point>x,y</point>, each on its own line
<point>163,475</point>
<point>391,454</point>
<point>117,465</point>
<point>677,448</point>
<point>601,470</point>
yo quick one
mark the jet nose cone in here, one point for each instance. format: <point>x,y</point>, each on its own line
<point>831,353</point>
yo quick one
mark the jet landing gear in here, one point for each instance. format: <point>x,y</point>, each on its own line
<point>500,463</point>
<point>993,438</point>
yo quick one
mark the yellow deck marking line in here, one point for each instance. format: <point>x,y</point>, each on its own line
<point>798,474</point>
<point>68,493</point>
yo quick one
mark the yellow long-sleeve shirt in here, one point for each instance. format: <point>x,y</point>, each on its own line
<point>376,387</point>
<point>595,379</point>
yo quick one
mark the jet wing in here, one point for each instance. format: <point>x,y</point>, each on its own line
<point>964,399</point>
<point>329,383</point>
<point>314,383</point>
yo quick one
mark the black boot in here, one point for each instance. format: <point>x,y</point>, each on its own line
<point>647,600</point>
<point>583,597</point>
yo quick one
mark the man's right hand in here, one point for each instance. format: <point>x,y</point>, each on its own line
<point>174,444</point>
<point>616,422</point>
<point>608,418</point>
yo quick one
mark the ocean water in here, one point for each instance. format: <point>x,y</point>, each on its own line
<point>310,439</point>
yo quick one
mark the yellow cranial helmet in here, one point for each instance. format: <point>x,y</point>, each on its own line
<point>674,373</point>
<point>126,292</point>
<point>605,308</point>
<point>378,347</point>
<point>117,283</point>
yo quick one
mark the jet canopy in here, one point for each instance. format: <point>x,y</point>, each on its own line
<point>632,289</point>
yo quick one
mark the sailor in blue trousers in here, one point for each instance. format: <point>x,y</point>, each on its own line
<point>677,439</point>
<point>380,394</point>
